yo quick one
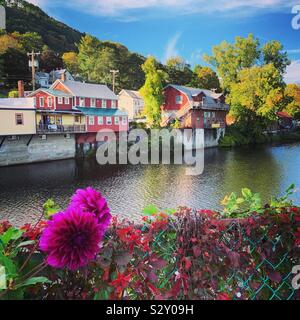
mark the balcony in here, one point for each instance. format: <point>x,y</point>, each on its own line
<point>56,129</point>
<point>212,106</point>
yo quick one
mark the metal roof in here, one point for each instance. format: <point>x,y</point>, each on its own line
<point>133,94</point>
<point>17,103</point>
<point>55,93</point>
<point>89,90</point>
<point>102,112</point>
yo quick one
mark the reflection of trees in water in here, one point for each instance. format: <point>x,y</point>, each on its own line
<point>254,168</point>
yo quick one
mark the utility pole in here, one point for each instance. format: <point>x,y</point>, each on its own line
<point>114,74</point>
<point>32,62</point>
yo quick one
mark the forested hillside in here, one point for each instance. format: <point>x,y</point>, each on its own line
<point>25,17</point>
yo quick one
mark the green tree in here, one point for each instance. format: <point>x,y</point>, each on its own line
<point>257,96</point>
<point>71,63</point>
<point>205,78</point>
<point>152,91</point>
<point>272,52</point>
<point>229,59</point>
<point>179,72</point>
<point>88,50</point>
<point>50,60</point>
<point>292,94</point>
<point>29,41</point>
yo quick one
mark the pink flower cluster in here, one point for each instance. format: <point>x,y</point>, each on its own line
<point>71,238</point>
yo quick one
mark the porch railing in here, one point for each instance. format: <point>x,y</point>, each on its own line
<point>50,128</point>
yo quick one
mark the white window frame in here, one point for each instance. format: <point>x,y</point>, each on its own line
<point>100,120</point>
<point>93,102</point>
<point>91,120</point>
<point>104,104</point>
<point>178,99</point>
<point>109,121</point>
<point>60,100</point>
<point>50,102</point>
<point>67,100</point>
<point>34,101</point>
<point>124,120</point>
<point>42,102</point>
<point>82,102</point>
<point>117,120</point>
<point>114,104</point>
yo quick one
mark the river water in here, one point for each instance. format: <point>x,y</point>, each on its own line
<point>128,189</point>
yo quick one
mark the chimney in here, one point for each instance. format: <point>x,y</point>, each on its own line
<point>63,77</point>
<point>21,89</point>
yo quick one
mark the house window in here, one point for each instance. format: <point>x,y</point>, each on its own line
<point>124,120</point>
<point>49,102</point>
<point>108,120</point>
<point>113,103</point>
<point>41,102</point>
<point>60,100</point>
<point>100,120</point>
<point>117,120</point>
<point>178,99</point>
<point>19,119</point>
<point>34,101</point>
<point>93,102</point>
<point>81,102</point>
<point>103,103</point>
<point>91,121</point>
<point>77,119</point>
<point>67,100</point>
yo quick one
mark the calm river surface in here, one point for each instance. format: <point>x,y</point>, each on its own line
<point>128,189</point>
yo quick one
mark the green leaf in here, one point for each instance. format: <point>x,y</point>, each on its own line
<point>247,194</point>
<point>9,265</point>
<point>11,234</point>
<point>33,281</point>
<point>50,208</point>
<point>150,210</point>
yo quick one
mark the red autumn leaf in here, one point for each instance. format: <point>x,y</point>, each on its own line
<point>223,296</point>
<point>275,276</point>
<point>197,251</point>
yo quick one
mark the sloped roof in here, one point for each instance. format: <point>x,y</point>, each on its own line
<point>102,112</point>
<point>17,103</point>
<point>89,90</point>
<point>193,92</point>
<point>52,92</point>
<point>133,94</point>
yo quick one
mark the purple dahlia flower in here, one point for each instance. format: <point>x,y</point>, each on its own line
<point>90,200</point>
<point>71,239</point>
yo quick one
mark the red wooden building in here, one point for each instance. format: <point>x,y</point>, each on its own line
<point>194,108</point>
<point>86,107</point>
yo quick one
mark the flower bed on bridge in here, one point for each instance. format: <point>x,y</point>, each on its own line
<point>84,253</point>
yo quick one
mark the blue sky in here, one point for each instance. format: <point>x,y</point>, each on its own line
<point>189,28</point>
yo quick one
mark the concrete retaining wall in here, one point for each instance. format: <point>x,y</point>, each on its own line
<point>55,147</point>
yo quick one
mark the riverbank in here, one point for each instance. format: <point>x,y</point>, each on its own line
<point>234,138</point>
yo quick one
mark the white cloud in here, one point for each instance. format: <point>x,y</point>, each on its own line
<point>123,7</point>
<point>171,47</point>
<point>293,72</point>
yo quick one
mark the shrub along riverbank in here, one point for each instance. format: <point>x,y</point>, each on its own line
<point>235,137</point>
<point>246,252</point>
